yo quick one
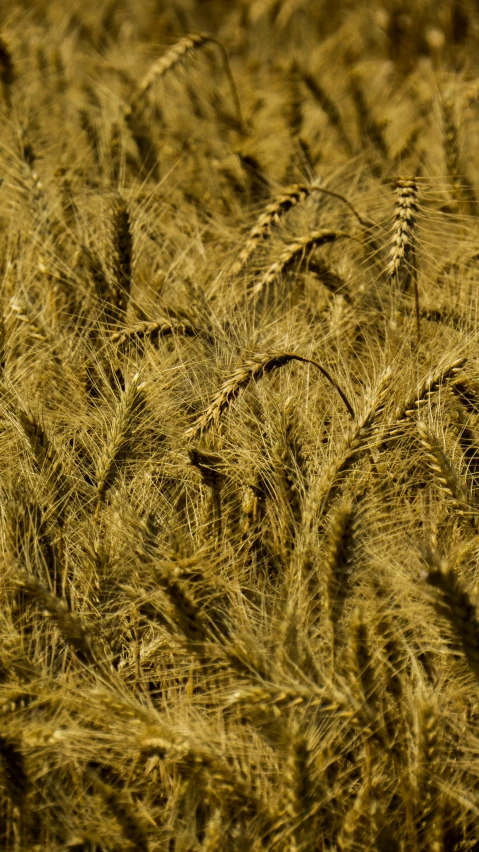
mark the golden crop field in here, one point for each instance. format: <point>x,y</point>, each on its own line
<point>239,426</point>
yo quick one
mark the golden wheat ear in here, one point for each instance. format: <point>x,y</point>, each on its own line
<point>122,257</point>
<point>403,251</point>
<point>119,437</point>
<point>454,603</point>
<point>295,251</point>
<point>180,52</point>
<point>7,71</point>
<point>253,371</point>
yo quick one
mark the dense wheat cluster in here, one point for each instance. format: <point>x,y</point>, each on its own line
<point>239,425</point>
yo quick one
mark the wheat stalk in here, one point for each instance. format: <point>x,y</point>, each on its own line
<point>252,371</point>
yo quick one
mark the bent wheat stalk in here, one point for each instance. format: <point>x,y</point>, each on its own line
<point>252,371</point>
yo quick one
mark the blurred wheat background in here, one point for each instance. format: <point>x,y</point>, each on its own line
<point>239,425</point>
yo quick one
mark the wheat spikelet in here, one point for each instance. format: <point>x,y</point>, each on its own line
<point>172,57</point>
<point>46,458</point>
<point>292,252</point>
<point>115,152</point>
<point>119,436</point>
<point>252,371</point>
<point>362,660</point>
<point>290,465</point>
<point>91,131</point>
<point>329,482</point>
<point>451,145</point>
<point>141,133</point>
<point>469,444</point>
<point>300,791</point>
<point>357,822</point>
<point>213,839</point>
<point>370,129</point>
<point>462,188</point>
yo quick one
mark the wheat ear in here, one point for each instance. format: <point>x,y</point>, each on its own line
<point>7,73</point>
<point>291,253</point>
<point>12,768</point>
<point>447,477</point>
<point>119,436</point>
<point>68,623</point>
<point>152,330</point>
<point>46,458</point>
<point>444,374</point>
<point>252,371</point>
<point>122,258</point>
<point>123,810</point>
<point>179,52</point>
<point>288,198</point>
<point>427,767</point>
<point>455,605</point>
<point>403,247</point>
<point>329,108</point>
<point>342,547</point>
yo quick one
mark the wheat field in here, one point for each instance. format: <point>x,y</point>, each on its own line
<point>239,426</point>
